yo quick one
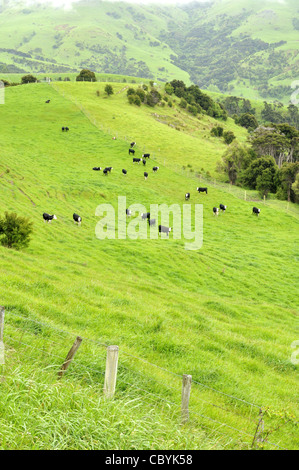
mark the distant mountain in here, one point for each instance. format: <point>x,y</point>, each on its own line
<point>224,45</point>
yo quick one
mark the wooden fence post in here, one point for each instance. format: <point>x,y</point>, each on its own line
<point>186,390</point>
<point>111,371</point>
<point>2,312</point>
<point>70,356</point>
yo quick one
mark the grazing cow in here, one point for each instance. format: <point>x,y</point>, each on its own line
<point>155,168</point>
<point>222,207</point>
<point>146,155</point>
<point>77,219</point>
<point>202,190</point>
<point>124,172</point>
<point>105,171</point>
<point>163,229</point>
<point>215,210</point>
<point>137,160</point>
<point>108,168</point>
<point>187,196</point>
<point>48,101</point>
<point>131,151</point>
<point>63,129</point>
<point>67,129</point>
<point>97,168</point>
<point>48,218</point>
<point>144,162</point>
<point>145,175</point>
<point>128,212</point>
<point>256,211</point>
<point>151,222</point>
<point>132,144</point>
<point>146,215</point>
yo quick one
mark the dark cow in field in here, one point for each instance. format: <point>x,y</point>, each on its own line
<point>222,207</point>
<point>187,196</point>
<point>215,210</point>
<point>256,211</point>
<point>144,162</point>
<point>48,101</point>
<point>108,168</point>
<point>146,155</point>
<point>124,172</point>
<point>128,212</point>
<point>137,160</point>
<point>131,151</point>
<point>65,129</point>
<point>163,229</point>
<point>151,222</point>
<point>202,190</point>
<point>155,168</point>
<point>77,219</point>
<point>145,215</point>
<point>105,171</point>
<point>145,175</point>
<point>48,218</point>
<point>97,168</point>
<point>132,144</point>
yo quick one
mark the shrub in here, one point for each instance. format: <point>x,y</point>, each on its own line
<point>109,90</point>
<point>15,231</point>
<point>86,76</point>
<point>28,79</point>
<point>228,137</point>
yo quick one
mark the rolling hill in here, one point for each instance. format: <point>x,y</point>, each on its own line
<point>233,47</point>
<point>225,313</point>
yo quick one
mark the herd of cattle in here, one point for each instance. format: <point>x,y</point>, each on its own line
<point>146,216</point>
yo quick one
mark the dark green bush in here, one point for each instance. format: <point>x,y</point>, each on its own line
<point>15,231</point>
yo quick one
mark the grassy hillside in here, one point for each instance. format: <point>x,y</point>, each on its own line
<point>240,48</point>
<point>224,314</point>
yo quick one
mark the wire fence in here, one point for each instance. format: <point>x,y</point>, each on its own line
<point>217,412</point>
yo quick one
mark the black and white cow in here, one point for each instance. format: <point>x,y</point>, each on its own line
<point>128,212</point>
<point>215,210</point>
<point>163,229</point>
<point>256,211</point>
<point>202,190</point>
<point>124,172</point>
<point>77,219</point>
<point>151,222</point>
<point>105,171</point>
<point>108,168</point>
<point>48,218</point>
<point>131,151</point>
<point>145,215</point>
<point>145,175</point>
<point>144,162</point>
<point>137,160</point>
<point>155,168</point>
<point>97,168</point>
<point>222,207</point>
<point>132,144</point>
<point>187,196</point>
<point>65,129</point>
<point>146,155</point>
<point>48,101</point>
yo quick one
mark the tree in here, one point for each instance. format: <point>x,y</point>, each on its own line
<point>28,79</point>
<point>228,136</point>
<point>109,90</point>
<point>247,120</point>
<point>264,182</point>
<point>295,188</point>
<point>217,131</point>
<point>256,169</point>
<point>235,159</point>
<point>86,76</point>
<point>287,175</point>
<point>15,231</point>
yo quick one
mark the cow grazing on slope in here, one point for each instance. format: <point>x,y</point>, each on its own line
<point>202,190</point>
<point>151,222</point>
<point>145,215</point>
<point>256,211</point>
<point>144,162</point>
<point>145,175</point>
<point>137,160</point>
<point>163,229</point>
<point>48,101</point>
<point>146,155</point>
<point>187,196</point>
<point>128,212</point>
<point>222,207</point>
<point>77,219</point>
<point>48,218</point>
<point>124,172</point>
<point>131,151</point>
<point>97,168</point>
<point>215,210</point>
<point>155,168</point>
<point>132,144</point>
